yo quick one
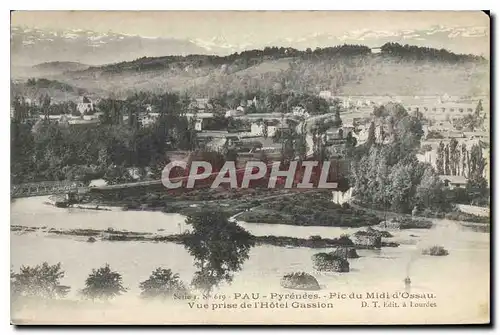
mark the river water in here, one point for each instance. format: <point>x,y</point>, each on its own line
<point>460,280</point>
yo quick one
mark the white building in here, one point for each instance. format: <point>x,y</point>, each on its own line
<point>235,112</point>
<point>200,119</point>
<point>300,112</point>
<point>94,116</point>
<point>258,128</point>
<point>340,197</point>
<point>327,95</point>
<point>454,181</point>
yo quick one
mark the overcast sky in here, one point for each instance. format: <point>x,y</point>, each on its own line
<point>234,25</point>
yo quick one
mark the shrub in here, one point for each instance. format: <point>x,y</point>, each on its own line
<point>345,252</point>
<point>162,283</point>
<point>150,197</point>
<point>345,240</point>
<point>330,262</point>
<point>39,281</point>
<point>103,283</point>
<point>299,281</point>
<point>436,250</point>
<point>373,232</point>
<point>406,223</point>
<point>368,240</point>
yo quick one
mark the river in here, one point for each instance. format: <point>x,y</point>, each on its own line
<point>459,280</point>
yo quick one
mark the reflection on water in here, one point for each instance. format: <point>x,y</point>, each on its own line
<point>462,276</point>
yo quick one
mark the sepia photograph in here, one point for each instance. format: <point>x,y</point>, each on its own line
<point>250,168</point>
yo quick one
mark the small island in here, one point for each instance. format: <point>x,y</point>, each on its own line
<point>435,250</point>
<point>330,262</point>
<point>300,281</point>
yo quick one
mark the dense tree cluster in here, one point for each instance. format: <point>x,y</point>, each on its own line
<point>40,281</point>
<point>471,122</point>
<point>26,110</point>
<point>49,150</point>
<point>245,58</point>
<point>38,88</point>
<point>269,101</point>
<point>44,149</point>
<point>399,186</point>
<point>388,175</point>
<point>412,52</point>
<point>53,84</point>
<point>252,57</point>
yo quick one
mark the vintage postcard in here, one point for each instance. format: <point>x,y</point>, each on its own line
<point>250,167</point>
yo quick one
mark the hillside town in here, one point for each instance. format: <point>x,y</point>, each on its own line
<point>445,120</point>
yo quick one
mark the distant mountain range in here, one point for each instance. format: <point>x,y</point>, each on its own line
<point>30,46</point>
<point>33,46</point>
<point>456,39</point>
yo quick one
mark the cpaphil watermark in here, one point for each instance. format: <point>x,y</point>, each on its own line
<point>294,174</point>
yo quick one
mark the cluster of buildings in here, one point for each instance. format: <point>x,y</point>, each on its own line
<point>441,127</point>
<point>443,107</point>
<point>438,114</point>
<point>356,102</point>
<point>202,111</point>
<point>443,110</point>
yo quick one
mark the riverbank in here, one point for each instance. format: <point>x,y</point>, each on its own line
<point>95,235</point>
<point>483,225</point>
<point>312,208</point>
<point>273,206</point>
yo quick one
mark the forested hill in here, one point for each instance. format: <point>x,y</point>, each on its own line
<point>254,57</point>
<point>347,69</point>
